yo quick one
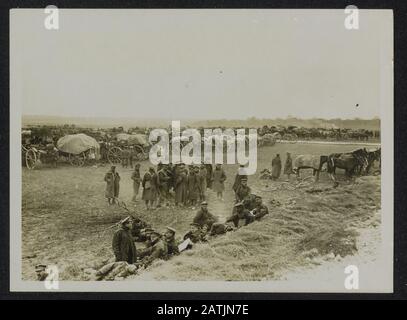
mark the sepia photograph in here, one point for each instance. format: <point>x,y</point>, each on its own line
<point>201,150</point>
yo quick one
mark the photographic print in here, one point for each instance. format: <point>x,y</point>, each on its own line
<point>201,150</point>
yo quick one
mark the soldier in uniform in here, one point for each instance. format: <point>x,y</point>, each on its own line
<point>288,166</point>
<point>181,185</point>
<point>157,249</point>
<point>194,186</point>
<point>150,187</point>
<point>112,179</point>
<point>132,156</point>
<point>240,213</point>
<point>123,244</point>
<point>203,182</point>
<point>218,181</point>
<point>138,230</point>
<point>276,167</point>
<point>209,170</point>
<point>103,151</point>
<point>41,272</point>
<point>116,186</point>
<point>204,217</point>
<point>243,191</point>
<point>260,210</point>
<point>136,177</point>
<point>145,236</point>
<point>238,179</point>
<point>163,184</point>
<point>169,238</point>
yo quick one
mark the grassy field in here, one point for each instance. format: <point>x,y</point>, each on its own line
<point>66,221</point>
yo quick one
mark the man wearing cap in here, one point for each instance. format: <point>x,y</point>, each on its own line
<point>147,233</point>
<point>144,237</point>
<point>238,179</point>
<point>137,230</point>
<point>260,210</point>
<point>40,270</point>
<point>122,244</point>
<point>243,191</point>
<point>204,217</point>
<point>169,238</point>
<point>157,250</point>
<point>112,179</point>
<point>240,214</point>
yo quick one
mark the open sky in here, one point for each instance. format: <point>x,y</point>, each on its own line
<point>201,64</point>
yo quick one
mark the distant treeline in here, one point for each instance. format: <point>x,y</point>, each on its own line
<point>373,124</point>
<point>96,122</point>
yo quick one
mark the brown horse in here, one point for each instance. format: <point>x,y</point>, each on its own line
<point>351,162</point>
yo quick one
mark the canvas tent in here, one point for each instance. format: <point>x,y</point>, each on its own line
<point>77,143</point>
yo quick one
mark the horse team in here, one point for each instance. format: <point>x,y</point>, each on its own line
<point>356,162</point>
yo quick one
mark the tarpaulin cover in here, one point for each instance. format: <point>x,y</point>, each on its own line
<point>77,143</point>
<point>133,139</point>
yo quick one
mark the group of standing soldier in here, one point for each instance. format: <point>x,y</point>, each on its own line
<point>276,166</point>
<point>188,183</point>
<point>181,184</point>
<point>112,179</point>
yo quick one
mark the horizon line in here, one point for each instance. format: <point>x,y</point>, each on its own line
<point>199,119</point>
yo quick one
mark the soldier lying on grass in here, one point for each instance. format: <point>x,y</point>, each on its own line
<point>114,271</point>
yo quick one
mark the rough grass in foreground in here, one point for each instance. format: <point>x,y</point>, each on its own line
<point>264,249</point>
